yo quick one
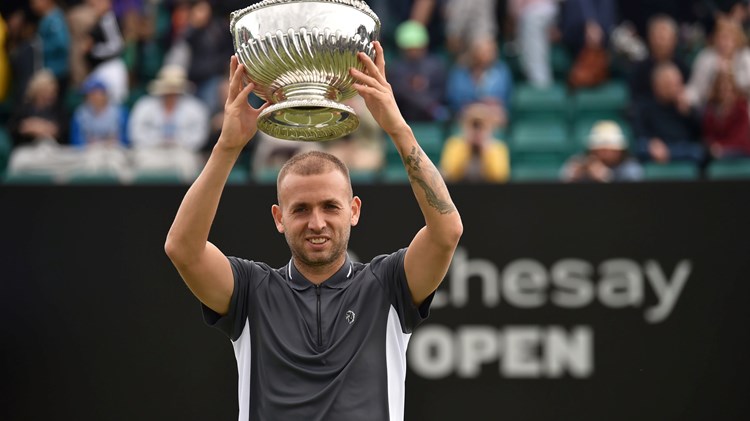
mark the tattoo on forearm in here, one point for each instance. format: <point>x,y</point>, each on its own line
<point>413,163</point>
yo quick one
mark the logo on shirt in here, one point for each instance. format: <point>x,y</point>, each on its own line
<point>350,316</point>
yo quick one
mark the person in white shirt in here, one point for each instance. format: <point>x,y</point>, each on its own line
<point>169,126</point>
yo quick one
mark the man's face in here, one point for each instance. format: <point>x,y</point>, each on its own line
<point>662,40</point>
<point>315,213</point>
<point>668,85</point>
<point>38,6</point>
<point>609,157</point>
<point>97,98</point>
<point>725,42</point>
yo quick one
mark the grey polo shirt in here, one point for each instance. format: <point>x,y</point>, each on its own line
<point>331,352</point>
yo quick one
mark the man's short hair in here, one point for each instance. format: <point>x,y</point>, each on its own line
<point>313,163</point>
<point>663,18</point>
<point>662,68</point>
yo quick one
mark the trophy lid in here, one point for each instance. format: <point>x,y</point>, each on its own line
<point>357,4</point>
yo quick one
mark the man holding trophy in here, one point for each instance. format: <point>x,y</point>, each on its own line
<point>322,338</point>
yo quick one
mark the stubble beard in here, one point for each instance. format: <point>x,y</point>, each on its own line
<point>338,249</point>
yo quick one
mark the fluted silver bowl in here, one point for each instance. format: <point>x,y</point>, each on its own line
<point>298,53</point>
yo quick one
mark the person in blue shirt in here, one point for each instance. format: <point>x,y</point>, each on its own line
<point>98,120</point>
<point>481,77</point>
<point>55,37</point>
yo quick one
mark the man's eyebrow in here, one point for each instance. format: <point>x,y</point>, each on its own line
<point>329,201</point>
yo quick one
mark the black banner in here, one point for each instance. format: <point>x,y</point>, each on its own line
<point>575,302</point>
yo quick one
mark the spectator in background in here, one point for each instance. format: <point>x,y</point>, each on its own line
<point>123,8</point>
<point>418,77</point>
<point>37,126</point>
<point>728,52</point>
<point>662,42</point>
<point>178,50</point>
<point>726,124</point>
<point>97,120</point>
<point>586,26</point>
<point>97,130</point>
<point>606,158</point>
<point>466,22</point>
<point>143,50</point>
<point>169,126</point>
<point>55,38</point>
<point>81,19</point>
<point>104,51</point>
<point>534,18</point>
<point>482,77</point>
<point>38,119</point>
<point>210,44</point>
<point>666,126</point>
<point>429,13</point>
<point>4,64</point>
<point>475,154</point>
<point>587,23</point>
<point>24,53</point>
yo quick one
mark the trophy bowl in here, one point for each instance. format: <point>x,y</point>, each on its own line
<point>298,54</point>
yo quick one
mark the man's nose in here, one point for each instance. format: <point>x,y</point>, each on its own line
<point>317,221</point>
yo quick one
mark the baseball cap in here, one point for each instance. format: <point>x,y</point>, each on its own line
<point>411,34</point>
<point>607,134</point>
<point>93,84</point>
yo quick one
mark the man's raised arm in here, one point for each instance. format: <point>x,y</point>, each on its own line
<point>202,265</point>
<point>431,251</point>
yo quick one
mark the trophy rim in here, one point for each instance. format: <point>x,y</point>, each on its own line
<point>307,133</point>
<point>360,5</point>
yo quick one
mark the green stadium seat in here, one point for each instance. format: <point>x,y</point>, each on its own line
<point>266,176</point>
<point>531,102</point>
<point>510,57</point>
<point>606,101</point>
<point>430,136</point>
<point>158,177</point>
<point>363,176</point>
<point>238,175</point>
<point>72,100</point>
<point>730,169</point>
<point>134,95</point>
<point>94,179</point>
<point>6,109</point>
<point>546,139</point>
<point>561,61</point>
<point>395,174</point>
<point>30,179</point>
<point>5,147</point>
<point>535,172</point>
<point>670,171</point>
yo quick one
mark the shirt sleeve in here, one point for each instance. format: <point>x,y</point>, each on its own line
<point>496,163</point>
<point>246,274</point>
<point>389,270</point>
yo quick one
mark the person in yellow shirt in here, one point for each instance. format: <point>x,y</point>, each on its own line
<point>4,67</point>
<point>475,155</point>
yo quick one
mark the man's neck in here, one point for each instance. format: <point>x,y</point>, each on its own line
<point>319,274</point>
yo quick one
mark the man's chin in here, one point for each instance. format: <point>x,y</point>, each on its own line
<point>315,259</point>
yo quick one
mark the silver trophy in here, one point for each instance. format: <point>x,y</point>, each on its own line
<point>298,53</point>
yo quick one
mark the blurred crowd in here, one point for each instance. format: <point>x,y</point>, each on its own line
<point>495,90</point>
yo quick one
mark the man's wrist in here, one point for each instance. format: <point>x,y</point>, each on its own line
<point>400,132</point>
<point>225,144</point>
<point>228,148</point>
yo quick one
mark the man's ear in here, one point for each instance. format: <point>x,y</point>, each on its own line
<point>276,212</point>
<point>356,207</point>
